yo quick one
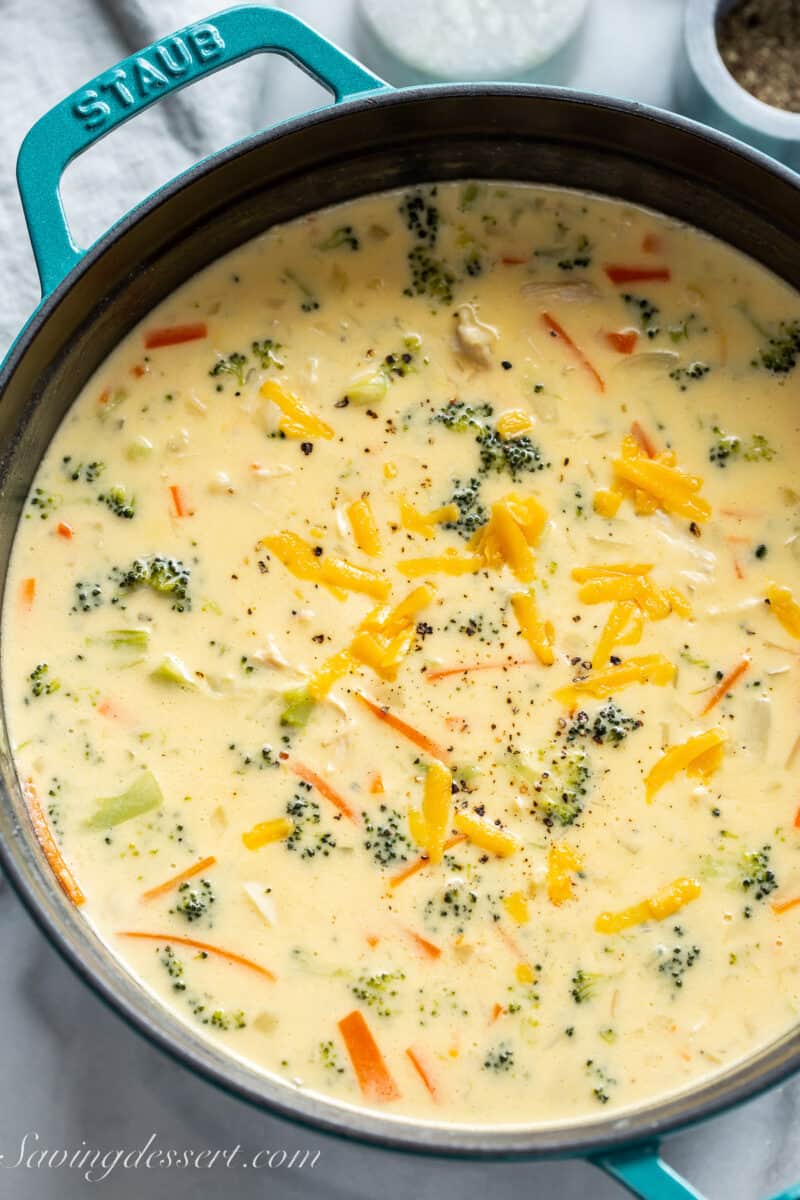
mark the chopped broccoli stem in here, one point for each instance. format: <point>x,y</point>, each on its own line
<point>343,236</point>
<point>298,708</point>
<point>583,985</point>
<point>171,670</point>
<point>40,682</point>
<point>141,797</point>
<point>782,349</point>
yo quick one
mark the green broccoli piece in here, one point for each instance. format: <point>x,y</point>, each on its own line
<point>384,837</point>
<point>759,449</point>
<point>421,215</point>
<point>141,797</point>
<point>267,353</point>
<point>44,502</point>
<point>516,455</point>
<point>308,301</point>
<point>429,277</point>
<point>462,417</point>
<point>683,376</point>
<point>343,236</point>
<point>610,725</point>
<point>559,789</point>
<point>782,349</point>
<point>298,708</point>
<point>40,683</point>
<point>85,472</point>
<point>646,311</point>
<point>235,364</point>
<point>676,962</point>
<point>583,985</point>
<point>166,576</point>
<point>758,879</point>
<point>725,447</point>
<point>304,839</point>
<point>378,991</point>
<point>120,503</point>
<point>472,514</point>
<point>499,1058</point>
<point>194,903</point>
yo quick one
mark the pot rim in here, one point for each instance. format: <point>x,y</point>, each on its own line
<point>25,867</point>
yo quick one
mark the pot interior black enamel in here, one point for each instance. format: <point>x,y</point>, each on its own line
<point>385,139</point>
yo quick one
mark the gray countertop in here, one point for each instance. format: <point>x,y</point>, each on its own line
<point>75,1077</point>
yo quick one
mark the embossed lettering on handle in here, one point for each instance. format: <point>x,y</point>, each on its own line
<point>118,94</point>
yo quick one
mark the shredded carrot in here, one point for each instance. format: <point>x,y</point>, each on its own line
<point>178,501</point>
<point>414,1059</point>
<point>626,274</point>
<point>782,906</point>
<point>372,940</point>
<point>623,341</point>
<point>727,683</point>
<point>427,948</point>
<point>408,731</point>
<point>189,873</point>
<point>64,530</point>
<point>137,371</point>
<point>797,819</point>
<point>468,668</point>
<point>644,440</point>
<point>376,784</point>
<point>497,1011</point>
<point>652,243</point>
<point>552,324</point>
<point>28,593</point>
<point>374,1079</point>
<point>323,787</point>
<point>107,709</point>
<point>173,335</point>
<point>50,850</point>
<point>173,939</point>
<point>509,260</point>
<point>423,861</point>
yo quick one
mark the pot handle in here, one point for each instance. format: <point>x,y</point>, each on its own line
<point>642,1170</point>
<point>164,67</point>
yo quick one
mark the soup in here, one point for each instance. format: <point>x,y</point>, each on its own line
<point>401,654</point>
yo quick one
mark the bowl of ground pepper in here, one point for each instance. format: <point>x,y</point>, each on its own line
<point>741,71</point>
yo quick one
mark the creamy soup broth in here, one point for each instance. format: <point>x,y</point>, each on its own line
<point>401,654</point>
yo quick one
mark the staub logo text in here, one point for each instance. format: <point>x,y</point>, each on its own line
<point>144,76</point>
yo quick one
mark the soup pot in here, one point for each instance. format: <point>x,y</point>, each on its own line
<point>373,137</point>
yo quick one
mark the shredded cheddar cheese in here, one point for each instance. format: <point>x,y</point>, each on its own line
<point>700,755</point>
<point>516,905</point>
<point>562,862</point>
<point>336,574</point>
<point>650,668</point>
<point>785,607</point>
<point>485,834</point>
<point>362,523</point>
<point>425,523</point>
<point>658,483</point>
<point>663,903</point>
<point>298,421</point>
<point>265,832</point>
<point>448,563</point>
<point>513,423</point>
<point>538,634</point>
<point>429,827</point>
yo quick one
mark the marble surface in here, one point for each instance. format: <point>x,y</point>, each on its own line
<point>72,1072</point>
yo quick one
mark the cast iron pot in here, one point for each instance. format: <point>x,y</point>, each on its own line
<point>371,139</point>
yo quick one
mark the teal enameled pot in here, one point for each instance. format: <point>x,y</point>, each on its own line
<point>371,138</point>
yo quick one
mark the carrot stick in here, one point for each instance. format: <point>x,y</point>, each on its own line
<point>552,324</point>
<point>726,684</point>
<point>371,1071</point>
<point>445,672</point>
<point>51,851</point>
<point>189,873</point>
<point>510,260</point>
<point>497,1011</point>
<point>178,501</point>
<point>323,787</point>
<point>408,731</point>
<point>623,341</point>
<point>644,440</point>
<point>427,948</point>
<point>173,335</point>
<point>423,861</point>
<point>414,1059</point>
<point>64,530</point>
<point>171,938</point>
<point>28,593</point>
<point>782,906</point>
<point>623,274</point>
<point>376,784</point>
<point>797,819</point>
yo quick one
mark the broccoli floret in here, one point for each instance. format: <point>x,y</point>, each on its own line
<point>676,962</point>
<point>298,708</point>
<point>462,417</point>
<point>329,1058</point>
<point>561,788</point>
<point>472,514</point>
<point>378,991</point>
<point>421,215</point>
<point>781,351</point>
<point>384,837</point>
<point>44,502</point>
<point>267,353</point>
<point>683,376</point>
<point>88,596</point>
<point>87,472</point>
<point>455,902</point>
<point>429,277</point>
<point>258,760</point>
<point>515,455</point>
<point>194,903</point>
<point>304,839</point>
<point>646,313</point>
<point>499,1058</point>
<point>174,968</point>
<point>759,449</point>
<point>167,576</point>
<point>609,726</point>
<point>120,503</point>
<point>308,301</point>
<point>726,446</point>
<point>40,683</point>
<point>235,364</point>
<point>583,985</point>
<point>343,236</point>
<point>581,256</point>
<point>473,263</point>
<point>758,879</point>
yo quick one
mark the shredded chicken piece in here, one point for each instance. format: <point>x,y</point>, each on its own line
<point>474,338</point>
